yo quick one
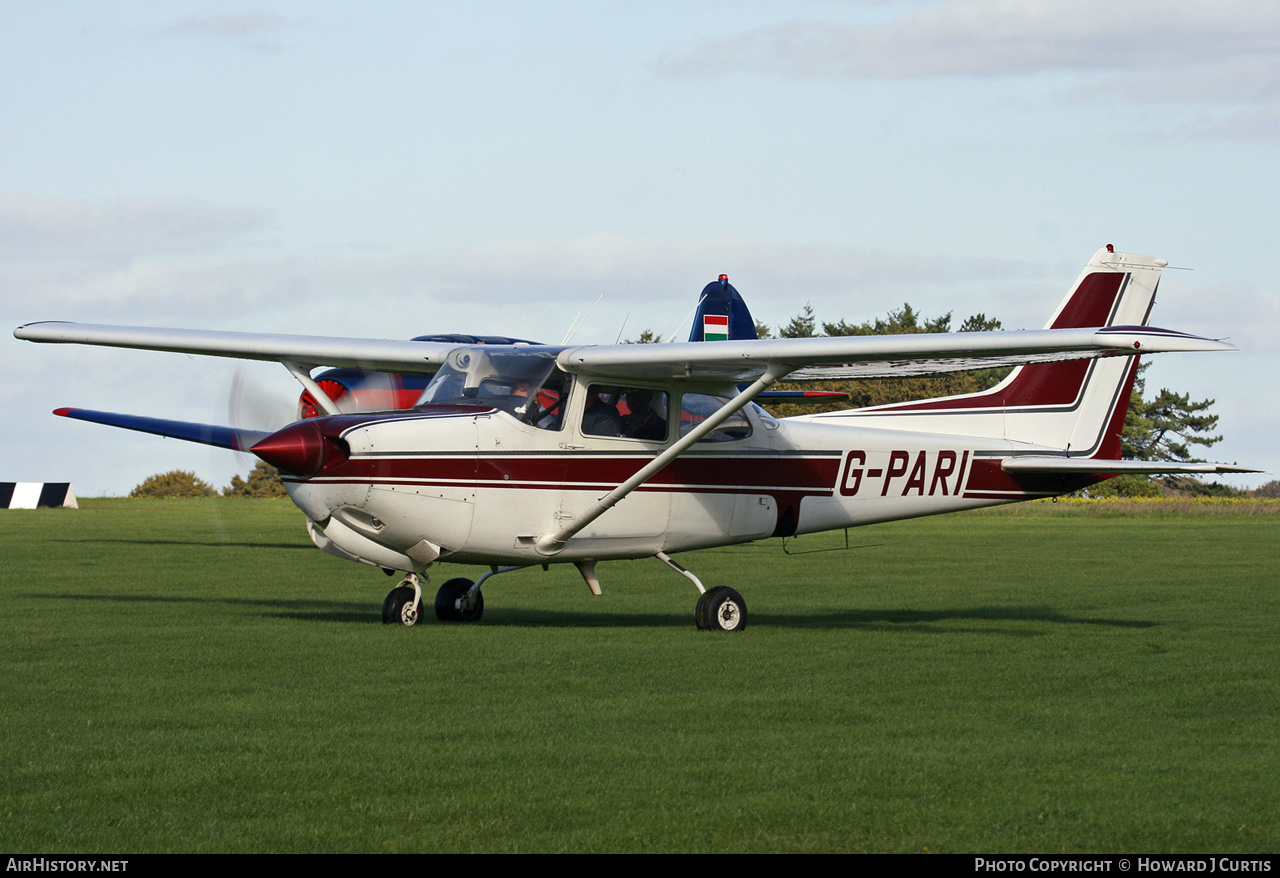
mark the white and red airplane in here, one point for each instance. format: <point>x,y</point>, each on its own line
<point>526,455</point>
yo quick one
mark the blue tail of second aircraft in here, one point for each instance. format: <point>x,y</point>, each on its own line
<point>722,315</point>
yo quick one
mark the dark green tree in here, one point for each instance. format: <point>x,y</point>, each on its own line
<point>646,337</point>
<point>882,391</point>
<point>803,325</point>
<point>1165,427</point>
<point>899,322</point>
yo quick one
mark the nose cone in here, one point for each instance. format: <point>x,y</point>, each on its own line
<point>298,449</point>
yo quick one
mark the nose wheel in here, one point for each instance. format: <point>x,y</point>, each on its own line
<point>403,605</point>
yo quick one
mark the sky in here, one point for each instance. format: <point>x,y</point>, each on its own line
<point>400,168</point>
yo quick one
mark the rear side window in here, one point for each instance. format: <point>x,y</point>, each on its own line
<point>697,407</point>
<point>627,413</point>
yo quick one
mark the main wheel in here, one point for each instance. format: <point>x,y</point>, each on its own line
<point>447,602</point>
<point>400,608</point>
<point>721,609</point>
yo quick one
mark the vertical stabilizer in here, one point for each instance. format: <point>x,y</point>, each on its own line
<point>722,315</point>
<point>1076,406</point>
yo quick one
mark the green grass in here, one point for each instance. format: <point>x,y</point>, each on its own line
<point>194,676</point>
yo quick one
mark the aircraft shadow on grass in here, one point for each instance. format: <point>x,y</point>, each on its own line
<point>913,621</point>
<point>211,543</point>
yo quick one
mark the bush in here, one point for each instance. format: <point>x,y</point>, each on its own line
<point>1271,489</point>
<point>264,481</point>
<point>1124,486</point>
<point>178,483</point>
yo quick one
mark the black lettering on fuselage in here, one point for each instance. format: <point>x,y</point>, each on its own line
<point>904,472</point>
<point>944,467</point>
<point>897,467</point>
<point>916,479</point>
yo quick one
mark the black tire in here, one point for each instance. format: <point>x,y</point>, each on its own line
<point>400,608</point>
<point>721,609</point>
<point>447,602</point>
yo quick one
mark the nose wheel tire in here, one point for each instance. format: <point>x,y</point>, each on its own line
<point>400,608</point>
<point>721,609</point>
<point>452,604</point>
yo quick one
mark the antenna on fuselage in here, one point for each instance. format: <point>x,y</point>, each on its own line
<point>576,326</point>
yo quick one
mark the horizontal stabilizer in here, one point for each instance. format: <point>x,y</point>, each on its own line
<point>205,434</point>
<point>1115,467</point>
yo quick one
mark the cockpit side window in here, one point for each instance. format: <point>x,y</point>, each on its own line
<point>544,403</point>
<point>525,385</point>
<point>626,412</point>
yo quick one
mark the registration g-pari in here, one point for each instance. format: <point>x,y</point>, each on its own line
<point>519,455</point>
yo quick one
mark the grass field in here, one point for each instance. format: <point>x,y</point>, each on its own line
<point>194,676</point>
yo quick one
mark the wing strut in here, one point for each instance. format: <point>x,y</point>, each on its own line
<point>551,543</point>
<point>323,400</point>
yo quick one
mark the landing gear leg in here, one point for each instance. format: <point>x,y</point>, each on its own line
<point>403,605</point>
<point>721,609</point>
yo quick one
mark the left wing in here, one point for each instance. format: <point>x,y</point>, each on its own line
<point>205,434</point>
<point>874,356</point>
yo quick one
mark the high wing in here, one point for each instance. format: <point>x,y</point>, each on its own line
<point>205,434</point>
<point>874,356</point>
<point>354,353</point>
<point>869,356</point>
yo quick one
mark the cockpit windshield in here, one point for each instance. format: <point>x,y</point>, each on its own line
<point>526,384</point>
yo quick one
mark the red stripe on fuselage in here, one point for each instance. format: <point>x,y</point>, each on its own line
<point>750,474</point>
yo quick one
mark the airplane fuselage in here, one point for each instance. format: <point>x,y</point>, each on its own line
<point>490,485</point>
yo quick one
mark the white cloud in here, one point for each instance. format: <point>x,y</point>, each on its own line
<point>1229,50</point>
<point>42,227</point>
<point>253,31</point>
<point>1249,125</point>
